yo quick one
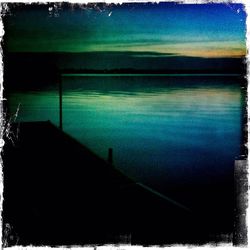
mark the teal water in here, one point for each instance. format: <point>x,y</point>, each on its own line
<point>163,130</point>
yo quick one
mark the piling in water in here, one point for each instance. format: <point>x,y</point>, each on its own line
<point>110,156</point>
<point>60,103</point>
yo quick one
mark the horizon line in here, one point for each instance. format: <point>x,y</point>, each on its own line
<point>145,74</point>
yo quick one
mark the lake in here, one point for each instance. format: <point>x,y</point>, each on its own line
<point>175,134</point>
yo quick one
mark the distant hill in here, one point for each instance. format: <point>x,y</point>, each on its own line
<point>41,69</point>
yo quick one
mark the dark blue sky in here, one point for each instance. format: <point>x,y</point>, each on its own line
<point>166,29</point>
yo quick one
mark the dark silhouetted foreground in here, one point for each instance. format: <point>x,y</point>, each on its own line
<point>57,192</point>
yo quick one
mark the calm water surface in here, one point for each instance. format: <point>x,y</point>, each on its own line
<point>163,130</point>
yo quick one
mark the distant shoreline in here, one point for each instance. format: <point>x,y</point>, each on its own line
<point>141,74</point>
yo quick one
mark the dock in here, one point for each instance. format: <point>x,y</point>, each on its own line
<point>58,192</point>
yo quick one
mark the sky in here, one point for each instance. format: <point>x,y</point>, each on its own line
<point>151,30</point>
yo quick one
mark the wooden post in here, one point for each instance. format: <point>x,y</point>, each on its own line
<point>60,102</point>
<point>110,156</point>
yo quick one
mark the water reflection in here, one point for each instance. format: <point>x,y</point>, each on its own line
<point>165,131</point>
